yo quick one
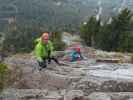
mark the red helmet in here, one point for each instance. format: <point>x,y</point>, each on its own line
<point>77,49</point>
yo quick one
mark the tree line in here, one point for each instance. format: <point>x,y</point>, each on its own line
<point>113,35</point>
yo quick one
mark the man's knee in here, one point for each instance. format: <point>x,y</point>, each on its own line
<point>42,64</point>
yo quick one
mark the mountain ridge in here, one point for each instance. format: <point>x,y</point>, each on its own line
<point>58,13</point>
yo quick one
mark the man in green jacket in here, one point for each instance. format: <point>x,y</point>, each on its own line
<point>44,51</point>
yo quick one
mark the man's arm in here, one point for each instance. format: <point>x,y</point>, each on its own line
<point>38,52</point>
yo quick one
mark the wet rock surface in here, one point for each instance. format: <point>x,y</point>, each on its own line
<point>82,80</point>
<point>110,96</point>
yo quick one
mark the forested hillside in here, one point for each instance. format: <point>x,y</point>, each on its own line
<point>52,14</point>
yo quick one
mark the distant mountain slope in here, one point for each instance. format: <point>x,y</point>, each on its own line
<point>58,13</point>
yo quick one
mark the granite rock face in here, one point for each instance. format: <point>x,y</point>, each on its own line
<point>82,80</point>
<point>110,96</point>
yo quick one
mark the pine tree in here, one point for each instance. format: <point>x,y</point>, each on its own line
<point>90,30</point>
<point>116,36</point>
<point>120,30</point>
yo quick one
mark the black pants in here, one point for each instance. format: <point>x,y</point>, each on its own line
<point>43,64</point>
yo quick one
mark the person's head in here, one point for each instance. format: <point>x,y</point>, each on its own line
<point>77,49</point>
<point>45,37</point>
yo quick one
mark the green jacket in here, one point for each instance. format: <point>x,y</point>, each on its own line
<point>41,49</point>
